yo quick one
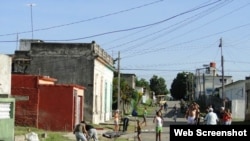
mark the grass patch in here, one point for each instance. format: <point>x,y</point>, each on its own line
<point>51,136</point>
<point>59,136</point>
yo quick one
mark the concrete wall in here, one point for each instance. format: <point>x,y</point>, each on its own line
<point>7,105</point>
<point>102,109</point>
<point>236,93</point>
<point>7,124</point>
<point>25,44</point>
<point>247,101</point>
<point>130,79</point>
<point>5,74</point>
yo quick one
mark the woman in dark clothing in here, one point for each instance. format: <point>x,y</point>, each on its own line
<point>138,130</point>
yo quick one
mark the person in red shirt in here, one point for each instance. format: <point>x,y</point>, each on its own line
<point>227,117</point>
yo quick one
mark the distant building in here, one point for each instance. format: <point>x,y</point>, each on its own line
<point>207,80</point>
<point>129,78</point>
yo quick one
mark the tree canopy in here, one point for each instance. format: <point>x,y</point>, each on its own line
<point>181,85</point>
<point>158,85</point>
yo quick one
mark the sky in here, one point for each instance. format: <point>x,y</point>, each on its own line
<point>153,37</point>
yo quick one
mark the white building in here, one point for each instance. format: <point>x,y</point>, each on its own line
<point>207,80</point>
<point>237,96</point>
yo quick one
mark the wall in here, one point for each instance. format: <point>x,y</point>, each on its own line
<point>130,79</point>
<point>5,74</point>
<point>24,90</point>
<point>236,92</point>
<point>26,106</point>
<point>7,104</point>
<point>247,101</point>
<point>56,108</point>
<point>26,43</point>
<point>102,109</point>
<point>7,124</point>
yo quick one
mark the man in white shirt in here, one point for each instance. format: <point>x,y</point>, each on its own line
<point>211,118</point>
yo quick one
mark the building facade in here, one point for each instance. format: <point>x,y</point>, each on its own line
<point>84,64</point>
<point>207,80</point>
<point>237,96</point>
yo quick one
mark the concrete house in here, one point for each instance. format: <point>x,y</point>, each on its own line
<point>237,95</point>
<point>45,105</point>
<point>207,80</point>
<point>84,64</point>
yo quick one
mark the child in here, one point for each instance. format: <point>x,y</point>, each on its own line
<point>158,126</point>
<point>138,130</point>
<point>145,113</point>
<point>116,121</point>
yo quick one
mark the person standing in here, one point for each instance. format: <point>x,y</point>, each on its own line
<point>125,123</point>
<point>197,117</point>
<point>191,114</point>
<point>158,125</point>
<point>227,117</point>
<point>175,115</point>
<point>211,118</point>
<point>221,114</point>
<point>138,130</point>
<point>79,132</point>
<point>145,113</point>
<point>165,106</point>
<point>116,120</point>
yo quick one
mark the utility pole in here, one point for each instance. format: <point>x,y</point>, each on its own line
<point>222,71</point>
<point>118,83</point>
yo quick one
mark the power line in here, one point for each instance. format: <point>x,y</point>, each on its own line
<point>87,20</point>
<point>138,27</point>
<point>143,26</point>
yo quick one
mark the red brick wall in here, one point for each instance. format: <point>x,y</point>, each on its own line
<point>26,112</point>
<point>27,81</point>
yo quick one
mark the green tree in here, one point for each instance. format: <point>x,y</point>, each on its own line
<point>157,85</point>
<point>125,92</point>
<point>142,83</point>
<point>128,95</point>
<point>182,86</point>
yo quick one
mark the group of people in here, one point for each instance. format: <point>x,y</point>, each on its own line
<point>224,117</point>
<point>85,132</point>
